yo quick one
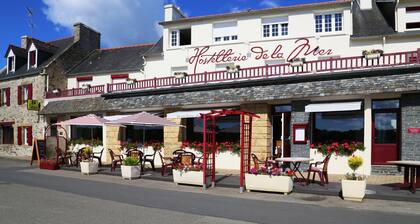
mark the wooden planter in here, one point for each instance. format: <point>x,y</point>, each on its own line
<point>353,190</point>
<point>130,172</point>
<point>281,184</point>
<point>88,168</point>
<point>188,177</point>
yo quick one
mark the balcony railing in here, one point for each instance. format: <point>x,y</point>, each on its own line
<point>77,92</point>
<point>262,72</point>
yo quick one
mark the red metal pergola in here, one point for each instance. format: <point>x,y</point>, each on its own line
<point>209,143</point>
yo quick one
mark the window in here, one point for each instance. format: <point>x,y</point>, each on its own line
<point>25,135</point>
<point>5,97</point>
<point>32,59</point>
<point>329,23</point>
<point>84,81</point>
<point>181,37</point>
<point>338,127</point>
<point>226,31</point>
<point>119,78</point>
<point>181,69</point>
<point>413,17</point>
<point>24,93</point>
<point>283,108</point>
<point>6,134</point>
<point>386,104</point>
<point>274,27</point>
<point>11,64</point>
<point>228,129</point>
<point>81,132</point>
<point>338,22</point>
<point>134,134</point>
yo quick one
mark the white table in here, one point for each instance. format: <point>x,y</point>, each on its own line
<point>411,173</point>
<point>295,161</point>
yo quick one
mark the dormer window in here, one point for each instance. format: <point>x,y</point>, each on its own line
<point>32,59</point>
<point>11,61</point>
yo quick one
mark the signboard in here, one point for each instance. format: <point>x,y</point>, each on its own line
<point>413,130</point>
<point>299,133</point>
<point>34,105</point>
<point>38,150</point>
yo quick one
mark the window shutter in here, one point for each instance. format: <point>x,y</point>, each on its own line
<point>29,131</point>
<point>8,97</point>
<point>19,95</point>
<point>30,92</point>
<point>19,136</point>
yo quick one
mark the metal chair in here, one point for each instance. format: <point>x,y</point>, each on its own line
<point>150,158</point>
<point>98,156</point>
<point>115,158</point>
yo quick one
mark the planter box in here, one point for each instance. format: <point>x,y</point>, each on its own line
<point>189,177</point>
<point>48,165</point>
<point>89,167</point>
<point>282,184</point>
<point>353,190</point>
<point>130,172</point>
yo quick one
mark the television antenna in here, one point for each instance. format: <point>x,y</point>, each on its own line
<point>31,23</point>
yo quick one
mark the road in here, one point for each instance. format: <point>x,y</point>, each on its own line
<point>31,197</point>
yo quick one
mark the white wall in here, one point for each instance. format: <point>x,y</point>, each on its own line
<point>102,79</point>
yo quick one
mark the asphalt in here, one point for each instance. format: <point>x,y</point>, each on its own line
<point>31,197</point>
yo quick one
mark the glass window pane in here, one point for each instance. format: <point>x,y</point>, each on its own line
<point>328,25</point>
<point>228,129</point>
<point>318,23</point>
<point>338,22</point>
<point>385,128</point>
<point>386,104</point>
<point>338,127</point>
<point>275,30</point>
<point>266,30</point>
<point>284,29</point>
<point>283,109</point>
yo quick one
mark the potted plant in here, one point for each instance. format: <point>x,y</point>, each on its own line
<point>190,174</point>
<point>87,165</point>
<point>296,62</point>
<point>353,185</point>
<point>270,179</point>
<point>130,169</point>
<point>180,75</point>
<point>131,81</point>
<point>372,54</point>
<point>233,69</point>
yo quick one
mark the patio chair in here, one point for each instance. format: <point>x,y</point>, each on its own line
<point>167,162</point>
<point>98,156</point>
<point>258,162</point>
<point>187,158</point>
<point>79,156</point>
<point>137,154</point>
<point>115,158</point>
<point>320,168</point>
<point>178,151</point>
<point>150,158</point>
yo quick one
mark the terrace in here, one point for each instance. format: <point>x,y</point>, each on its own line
<point>262,72</point>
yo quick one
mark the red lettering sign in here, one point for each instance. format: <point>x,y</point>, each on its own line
<point>413,130</point>
<point>303,48</point>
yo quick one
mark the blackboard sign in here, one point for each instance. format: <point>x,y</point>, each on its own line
<point>38,150</point>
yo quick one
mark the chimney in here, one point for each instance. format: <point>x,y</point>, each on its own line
<point>24,40</point>
<point>87,36</point>
<point>365,4</point>
<point>172,13</point>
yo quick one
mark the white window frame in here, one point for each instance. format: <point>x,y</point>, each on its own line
<point>233,37</point>
<point>271,27</point>
<point>84,82</point>
<point>31,49</point>
<point>172,37</point>
<point>3,99</point>
<point>25,93</point>
<point>24,135</point>
<point>11,55</point>
<point>333,24</point>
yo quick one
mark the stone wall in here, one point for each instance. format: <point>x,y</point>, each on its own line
<point>173,135</point>
<point>20,115</point>
<point>113,135</point>
<point>410,118</point>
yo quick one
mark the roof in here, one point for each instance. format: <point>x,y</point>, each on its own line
<point>365,20</point>
<point>85,105</point>
<point>281,9</point>
<point>156,50</point>
<point>20,52</point>
<point>121,59</point>
<point>55,48</point>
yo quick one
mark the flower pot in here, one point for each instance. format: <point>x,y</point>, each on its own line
<point>296,63</point>
<point>353,190</point>
<point>88,167</point>
<point>130,172</point>
<point>372,56</point>
<point>188,177</point>
<point>281,184</point>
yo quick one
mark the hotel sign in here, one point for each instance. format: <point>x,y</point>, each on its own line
<point>34,105</point>
<point>413,130</point>
<point>302,48</point>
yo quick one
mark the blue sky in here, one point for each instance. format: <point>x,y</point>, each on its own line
<point>121,22</point>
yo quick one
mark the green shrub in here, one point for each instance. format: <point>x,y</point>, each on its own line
<point>131,161</point>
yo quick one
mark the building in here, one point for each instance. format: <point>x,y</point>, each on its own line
<point>32,70</point>
<point>343,70</point>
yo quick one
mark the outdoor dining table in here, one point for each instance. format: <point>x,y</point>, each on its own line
<point>295,164</point>
<point>411,173</point>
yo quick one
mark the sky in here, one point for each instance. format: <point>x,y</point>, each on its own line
<point>121,22</point>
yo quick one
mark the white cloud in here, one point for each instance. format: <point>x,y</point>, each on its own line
<point>119,22</point>
<point>269,3</point>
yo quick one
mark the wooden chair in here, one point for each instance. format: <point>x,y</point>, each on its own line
<point>98,156</point>
<point>258,162</point>
<point>320,168</point>
<point>115,158</point>
<point>150,158</point>
<point>167,162</point>
<point>187,158</point>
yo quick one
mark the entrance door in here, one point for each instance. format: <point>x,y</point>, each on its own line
<point>286,134</point>
<point>385,136</point>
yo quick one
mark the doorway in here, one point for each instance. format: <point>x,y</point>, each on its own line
<point>385,131</point>
<point>281,130</point>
